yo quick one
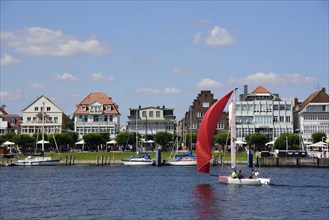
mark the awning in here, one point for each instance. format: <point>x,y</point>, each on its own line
<point>319,144</point>
<point>111,142</point>
<point>8,143</point>
<point>80,142</point>
<point>45,142</point>
<point>269,143</point>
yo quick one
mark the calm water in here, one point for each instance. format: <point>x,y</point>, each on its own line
<point>90,192</point>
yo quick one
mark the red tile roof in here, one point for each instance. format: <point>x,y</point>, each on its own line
<point>260,89</point>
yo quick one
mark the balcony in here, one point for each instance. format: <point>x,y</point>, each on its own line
<point>95,123</point>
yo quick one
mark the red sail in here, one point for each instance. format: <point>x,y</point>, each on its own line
<point>206,133</point>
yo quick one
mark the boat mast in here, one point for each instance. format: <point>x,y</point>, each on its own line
<point>43,129</point>
<point>136,131</point>
<point>191,130</point>
<point>233,132</point>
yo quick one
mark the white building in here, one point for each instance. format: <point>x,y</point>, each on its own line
<point>151,120</point>
<point>54,118</point>
<point>263,112</point>
<point>97,113</point>
<point>312,115</point>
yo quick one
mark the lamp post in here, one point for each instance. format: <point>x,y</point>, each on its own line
<point>287,144</point>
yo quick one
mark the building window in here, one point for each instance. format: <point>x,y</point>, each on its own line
<point>287,118</point>
<point>220,126</point>
<point>36,109</point>
<point>109,108</point>
<point>95,118</point>
<point>28,119</point>
<point>281,119</point>
<point>151,114</point>
<point>48,109</point>
<point>205,104</point>
<point>199,114</point>
<point>111,118</point>
<point>157,114</point>
<point>275,118</point>
<point>144,114</point>
<point>83,108</point>
<point>55,119</point>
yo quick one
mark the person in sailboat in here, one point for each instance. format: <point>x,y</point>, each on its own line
<point>234,174</point>
<point>240,175</point>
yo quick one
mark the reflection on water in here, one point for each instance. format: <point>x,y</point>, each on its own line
<point>206,201</point>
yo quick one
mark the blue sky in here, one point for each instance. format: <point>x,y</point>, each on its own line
<point>159,53</point>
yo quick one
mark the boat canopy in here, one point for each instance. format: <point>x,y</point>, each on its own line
<point>206,133</point>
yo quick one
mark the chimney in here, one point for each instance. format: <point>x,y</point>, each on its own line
<point>323,89</point>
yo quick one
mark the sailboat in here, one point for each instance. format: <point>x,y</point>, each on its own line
<point>39,160</point>
<point>142,158</point>
<point>205,138</point>
<point>185,159</point>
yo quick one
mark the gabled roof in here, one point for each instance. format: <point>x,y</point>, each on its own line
<point>316,97</point>
<point>40,97</point>
<point>260,89</point>
<point>99,97</point>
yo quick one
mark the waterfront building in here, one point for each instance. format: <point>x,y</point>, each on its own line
<point>263,112</point>
<point>198,109</point>
<point>9,123</point>
<point>97,113</point>
<point>151,120</point>
<point>55,121</point>
<point>312,115</point>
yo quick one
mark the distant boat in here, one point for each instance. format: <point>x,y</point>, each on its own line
<point>142,160</point>
<point>39,160</point>
<point>205,138</point>
<point>184,159</point>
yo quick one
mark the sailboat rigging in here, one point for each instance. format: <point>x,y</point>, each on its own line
<point>40,160</point>
<point>205,137</point>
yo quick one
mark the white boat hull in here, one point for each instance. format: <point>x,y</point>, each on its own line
<point>137,162</point>
<point>244,181</point>
<point>38,161</point>
<point>182,162</point>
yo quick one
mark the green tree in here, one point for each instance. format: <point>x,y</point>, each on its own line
<point>126,138</point>
<point>281,142</point>
<point>165,139</point>
<point>222,139</point>
<point>70,122</point>
<point>188,139</point>
<point>258,140</point>
<point>25,141</point>
<point>318,136</point>
<point>93,140</point>
<point>7,137</point>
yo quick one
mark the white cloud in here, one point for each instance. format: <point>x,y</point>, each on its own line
<point>40,41</point>
<point>7,60</point>
<point>273,79</point>
<point>218,37</point>
<point>37,85</point>
<point>197,38</point>
<point>171,90</point>
<point>168,90</point>
<point>10,96</point>
<point>67,77</point>
<point>101,77</point>
<point>209,84</point>
<point>148,91</point>
<point>177,70</point>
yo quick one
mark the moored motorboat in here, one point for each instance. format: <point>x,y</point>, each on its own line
<point>143,160</point>
<point>37,161</point>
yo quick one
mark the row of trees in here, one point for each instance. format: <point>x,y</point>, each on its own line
<point>67,140</point>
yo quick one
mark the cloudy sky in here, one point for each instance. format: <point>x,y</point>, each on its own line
<point>159,53</point>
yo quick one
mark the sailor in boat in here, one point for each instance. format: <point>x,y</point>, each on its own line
<point>234,174</point>
<point>240,175</point>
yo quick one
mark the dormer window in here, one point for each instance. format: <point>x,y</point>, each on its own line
<point>108,108</point>
<point>83,108</point>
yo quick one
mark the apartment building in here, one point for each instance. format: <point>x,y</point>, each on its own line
<point>148,121</point>
<point>312,115</point>
<point>9,123</point>
<point>263,112</point>
<point>97,113</point>
<point>55,121</point>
